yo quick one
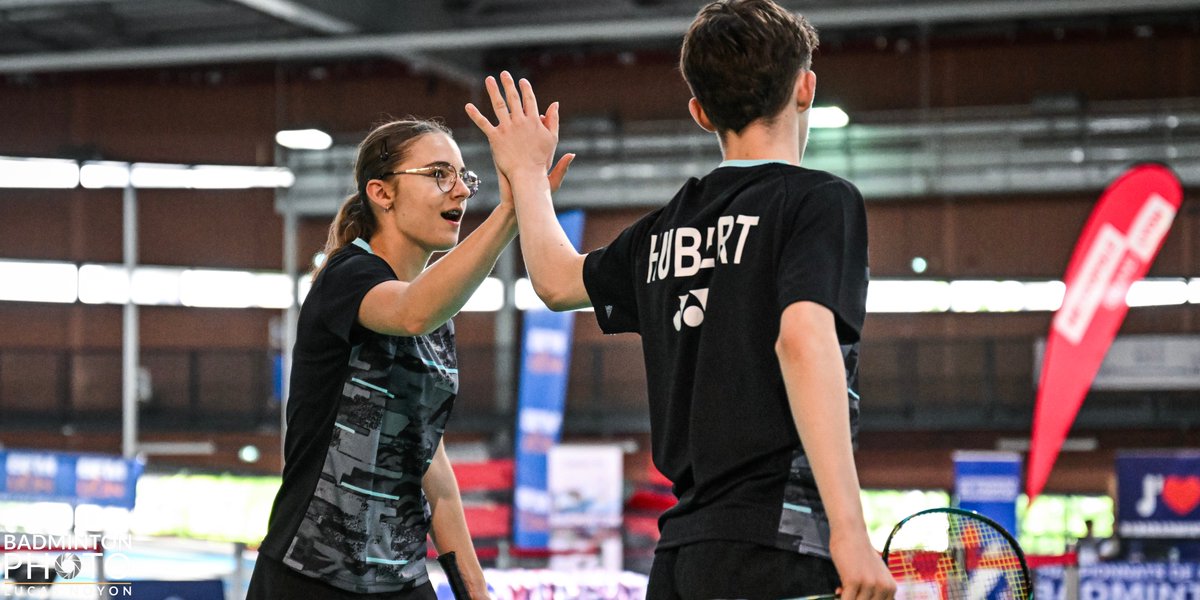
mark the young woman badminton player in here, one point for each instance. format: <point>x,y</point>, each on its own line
<point>374,377</point>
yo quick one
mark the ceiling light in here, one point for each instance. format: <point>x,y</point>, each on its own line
<point>38,173</point>
<point>304,139</point>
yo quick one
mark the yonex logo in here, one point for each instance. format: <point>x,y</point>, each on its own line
<point>691,312</point>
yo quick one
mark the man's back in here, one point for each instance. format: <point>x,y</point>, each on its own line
<point>704,280</point>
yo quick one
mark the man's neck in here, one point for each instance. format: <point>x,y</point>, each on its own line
<point>781,141</point>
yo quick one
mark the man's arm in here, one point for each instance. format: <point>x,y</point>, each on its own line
<point>449,525</point>
<point>520,143</point>
<point>814,375</point>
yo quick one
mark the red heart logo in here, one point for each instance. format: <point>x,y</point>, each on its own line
<point>1181,494</point>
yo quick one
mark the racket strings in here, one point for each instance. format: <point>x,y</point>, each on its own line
<point>950,556</point>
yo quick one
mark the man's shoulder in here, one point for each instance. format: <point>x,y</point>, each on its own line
<point>802,181</point>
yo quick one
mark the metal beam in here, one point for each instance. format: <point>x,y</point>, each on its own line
<point>300,15</point>
<point>458,40</point>
<point>303,15</point>
<point>40,4</point>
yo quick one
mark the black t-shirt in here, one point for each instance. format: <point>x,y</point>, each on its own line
<point>705,280</point>
<point>365,414</point>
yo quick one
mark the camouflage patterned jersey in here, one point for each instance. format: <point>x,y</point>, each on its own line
<point>366,413</point>
<point>705,280</point>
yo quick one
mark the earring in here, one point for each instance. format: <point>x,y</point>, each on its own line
<point>388,208</point>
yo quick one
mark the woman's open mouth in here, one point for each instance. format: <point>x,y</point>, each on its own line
<point>453,215</point>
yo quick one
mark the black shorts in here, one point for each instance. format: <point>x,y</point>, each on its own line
<point>724,569</point>
<point>275,580</point>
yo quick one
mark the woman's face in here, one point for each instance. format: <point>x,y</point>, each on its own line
<point>422,212</point>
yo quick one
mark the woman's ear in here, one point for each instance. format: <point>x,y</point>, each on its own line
<point>380,194</point>
<point>699,116</point>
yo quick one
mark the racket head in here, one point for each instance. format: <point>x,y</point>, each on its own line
<point>969,557</point>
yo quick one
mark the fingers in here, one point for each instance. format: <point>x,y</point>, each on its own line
<point>528,99</point>
<point>550,120</point>
<point>511,93</point>
<point>559,172</point>
<point>498,103</point>
<point>480,121</point>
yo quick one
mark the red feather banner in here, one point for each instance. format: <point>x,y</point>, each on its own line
<point>1118,245</point>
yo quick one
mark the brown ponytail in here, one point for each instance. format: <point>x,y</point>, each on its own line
<point>386,146</point>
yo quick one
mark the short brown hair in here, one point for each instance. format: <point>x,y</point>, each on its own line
<point>741,59</point>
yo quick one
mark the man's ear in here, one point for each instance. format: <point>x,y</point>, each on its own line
<point>699,116</point>
<point>806,88</point>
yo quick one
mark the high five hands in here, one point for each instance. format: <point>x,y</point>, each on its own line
<point>523,140</point>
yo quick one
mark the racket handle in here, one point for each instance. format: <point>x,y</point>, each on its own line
<point>818,597</point>
<point>458,587</point>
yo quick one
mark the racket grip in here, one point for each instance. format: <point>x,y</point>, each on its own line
<point>818,597</point>
<point>458,587</point>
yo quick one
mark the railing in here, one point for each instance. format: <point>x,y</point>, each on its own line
<point>939,153</point>
<point>981,383</point>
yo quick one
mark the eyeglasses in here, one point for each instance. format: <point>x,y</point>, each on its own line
<point>446,177</point>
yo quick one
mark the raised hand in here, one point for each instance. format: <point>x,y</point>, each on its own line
<point>522,138</point>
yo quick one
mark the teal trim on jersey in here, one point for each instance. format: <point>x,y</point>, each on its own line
<point>751,163</point>
<point>852,393</point>
<point>362,244</point>
<point>384,561</point>
<point>361,383</point>
<point>369,492</point>
<point>340,426</point>
<point>439,367</point>
<point>797,508</point>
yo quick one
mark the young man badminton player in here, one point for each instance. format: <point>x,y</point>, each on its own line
<point>749,291</point>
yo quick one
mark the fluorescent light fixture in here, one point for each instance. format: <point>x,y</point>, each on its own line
<point>1194,291</point>
<point>828,117</point>
<point>213,288</point>
<point>104,174</point>
<point>908,296</point>
<point>46,173</point>
<point>1157,292</point>
<point>271,290</point>
<point>1044,295</point>
<point>156,286</point>
<point>103,284</point>
<point>33,281</point>
<point>304,139</point>
<point>155,175</point>
<point>151,175</point>
<point>488,297</point>
<point>986,296</point>
<point>240,178</point>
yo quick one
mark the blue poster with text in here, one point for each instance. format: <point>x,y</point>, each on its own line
<point>541,396</point>
<point>989,484</point>
<point>1158,494</point>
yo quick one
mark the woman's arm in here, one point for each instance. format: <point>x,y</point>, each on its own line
<point>449,527</point>
<point>440,291</point>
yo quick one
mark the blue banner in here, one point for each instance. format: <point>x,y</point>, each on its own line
<point>989,484</point>
<point>541,395</point>
<point>1158,495</point>
<point>1120,581</point>
<point>175,590</point>
<point>30,476</point>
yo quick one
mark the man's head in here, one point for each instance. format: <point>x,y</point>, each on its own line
<point>741,59</point>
